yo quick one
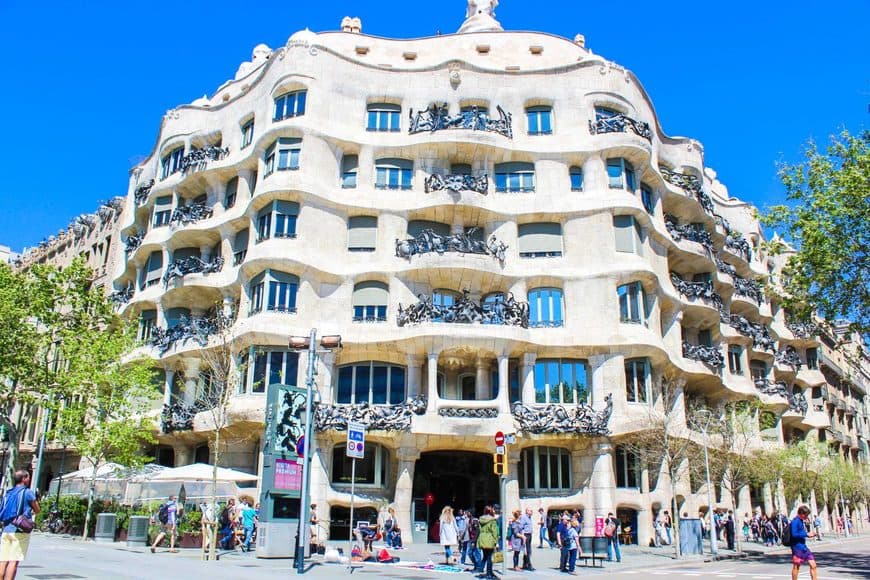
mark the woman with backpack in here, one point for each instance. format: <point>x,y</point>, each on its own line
<point>487,540</point>
<point>168,516</point>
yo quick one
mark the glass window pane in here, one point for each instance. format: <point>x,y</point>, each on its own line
<point>542,468</point>
<point>556,298</point>
<point>345,382</point>
<point>540,382</point>
<point>379,385</point>
<point>397,385</point>
<point>300,102</point>
<point>373,120</point>
<point>501,181</point>
<point>361,386</point>
<point>276,368</point>
<point>545,122</point>
<point>260,373</point>
<point>533,122</point>
<point>614,173</point>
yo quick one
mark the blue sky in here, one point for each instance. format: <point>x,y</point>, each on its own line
<point>86,83</point>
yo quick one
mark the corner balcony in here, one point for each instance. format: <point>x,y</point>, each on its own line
<point>191,265</point>
<point>438,118</point>
<point>506,312</point>
<point>687,232</point>
<point>749,289</point>
<point>736,244</point>
<point>132,243</point>
<point>140,195</point>
<point>803,330</point>
<point>619,123</point>
<point>709,355</point>
<point>189,214</point>
<point>196,329</point>
<point>121,297</point>
<point>759,334</point>
<point>463,243</point>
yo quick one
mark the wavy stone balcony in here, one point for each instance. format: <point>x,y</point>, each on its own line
<point>580,419</point>
<point>709,355</point>
<point>797,403</point>
<point>140,195</point>
<point>508,312</point>
<point>789,357</point>
<point>620,123</point>
<point>197,329</point>
<point>759,333</point>
<point>464,243</point>
<point>180,416</point>
<point>121,297</point>
<point>700,290</point>
<point>686,232</point>
<point>329,417</point>
<point>191,265</point>
<point>456,183</point>
<point>438,118</point>
<point>190,214</point>
<point>748,288</point>
<point>198,159</point>
<point>133,241</point>
<point>767,387</point>
<point>725,267</point>
<point>737,245</point>
<point>803,330</point>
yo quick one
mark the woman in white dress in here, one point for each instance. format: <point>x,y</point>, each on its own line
<point>448,532</point>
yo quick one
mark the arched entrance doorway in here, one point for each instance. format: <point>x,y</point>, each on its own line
<point>460,479</point>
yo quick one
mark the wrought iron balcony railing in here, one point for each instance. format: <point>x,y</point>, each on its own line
<point>469,413</point>
<point>789,356</point>
<point>687,232</point>
<point>508,312</point>
<point>759,333</point>
<point>133,242</point>
<point>580,419</point>
<point>179,416</point>
<point>767,387</point>
<point>197,159</point>
<point>192,265</point>
<point>725,267</point>
<point>749,288</point>
<point>197,329</point>
<point>189,214</point>
<point>463,243</point>
<point>709,355</point>
<point>797,402</point>
<point>437,117</point>
<point>457,182</point>
<point>329,417</point>
<point>689,184</point>
<point>738,244</point>
<point>803,329</point>
<point>619,123</point>
<point>142,192</point>
<point>122,296</point>
<point>703,290</point>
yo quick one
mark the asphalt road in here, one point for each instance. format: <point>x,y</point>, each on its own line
<point>59,558</point>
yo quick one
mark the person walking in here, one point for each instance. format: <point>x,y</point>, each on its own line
<point>527,530</point>
<point>226,521</point>
<point>516,538</point>
<point>730,532</point>
<point>800,554</point>
<point>461,534</point>
<point>666,520</point>
<point>487,540</point>
<point>563,541</point>
<point>573,533</point>
<point>249,522</point>
<point>611,532</point>
<point>474,552</point>
<point>168,517</point>
<point>543,535</point>
<point>18,501</point>
<point>817,524</point>
<point>447,532</point>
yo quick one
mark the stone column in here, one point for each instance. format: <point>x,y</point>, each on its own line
<point>504,402</point>
<point>167,387</point>
<point>768,499</point>
<point>407,457</point>
<point>644,526</point>
<point>326,373</point>
<point>365,172</point>
<point>527,377</point>
<point>602,484</point>
<point>512,485</point>
<point>183,455</point>
<point>139,273</point>
<point>482,389</point>
<point>214,193</point>
<point>594,174</point>
<point>191,379</point>
<point>414,374</point>
<point>599,387</point>
<point>432,379</point>
<point>245,191</point>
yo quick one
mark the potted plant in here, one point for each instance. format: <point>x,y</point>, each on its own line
<point>190,530</point>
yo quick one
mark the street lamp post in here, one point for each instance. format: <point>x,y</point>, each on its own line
<point>4,446</point>
<point>714,548</point>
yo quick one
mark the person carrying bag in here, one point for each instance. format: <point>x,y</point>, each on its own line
<point>19,507</point>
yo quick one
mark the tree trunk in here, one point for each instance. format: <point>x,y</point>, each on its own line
<point>675,528</point>
<point>212,547</point>
<point>91,490</point>
<point>737,544</point>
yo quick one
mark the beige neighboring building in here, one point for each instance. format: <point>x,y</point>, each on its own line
<point>497,225</point>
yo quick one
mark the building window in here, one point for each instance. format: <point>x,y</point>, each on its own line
<point>153,270</point>
<point>247,134</point>
<point>512,177</point>
<point>275,291</point>
<point>362,233</point>
<point>637,380</point>
<point>443,299</point>
<point>416,228</point>
<point>147,322</point>
<point>646,197</point>
<point>349,169</point>
<point>540,240</point>
<point>540,120</point>
<point>171,162</point>
<point>371,382</point>
<point>290,105</point>
<point>757,370</point>
<point>370,300</point>
<point>620,174</point>
<point>735,354</point>
<point>162,211</point>
<point>545,308</point>
<point>240,246</point>
<point>393,173</point>
<point>628,234</point>
<point>283,155</point>
<point>576,175</point>
<point>705,337</point>
<point>545,468</point>
<point>627,468</point>
<point>383,117</point>
<point>278,219</point>
<point>813,359</point>
<point>632,307</point>
<point>230,193</point>
<point>274,367</point>
<point>370,471</point>
<point>561,381</point>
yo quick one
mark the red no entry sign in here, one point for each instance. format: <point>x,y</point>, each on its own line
<point>499,439</point>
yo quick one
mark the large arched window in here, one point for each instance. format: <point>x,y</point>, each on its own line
<point>290,104</point>
<point>372,470</point>
<point>372,382</point>
<point>393,173</point>
<point>561,380</point>
<point>370,300</point>
<point>545,468</point>
<point>275,291</point>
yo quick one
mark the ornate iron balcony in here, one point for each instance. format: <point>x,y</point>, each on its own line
<point>192,265</point>
<point>464,243</point>
<point>179,417</point>
<point>508,312</point>
<point>196,329</point>
<point>457,182</point>
<point>197,159</point>
<point>580,419</point>
<point>463,413</point>
<point>797,402</point>
<point>709,355</point>
<point>803,329</point>
<point>133,242</point>
<point>329,417</point>
<point>189,214</point>
<point>691,185</point>
<point>738,244</point>
<point>777,389</point>
<point>686,232</point>
<point>122,296</point>
<point>142,192</point>
<point>617,123</point>
<point>725,267</point>
<point>748,288</point>
<point>759,334</point>
<point>789,356</point>
<point>703,290</point>
<point>437,117</point>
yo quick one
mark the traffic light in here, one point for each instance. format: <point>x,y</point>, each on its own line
<point>499,463</point>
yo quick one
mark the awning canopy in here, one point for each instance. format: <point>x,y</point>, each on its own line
<point>202,472</point>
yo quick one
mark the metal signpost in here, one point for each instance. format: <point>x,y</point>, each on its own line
<point>500,468</point>
<point>355,449</point>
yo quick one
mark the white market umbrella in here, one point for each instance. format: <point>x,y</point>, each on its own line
<point>202,472</point>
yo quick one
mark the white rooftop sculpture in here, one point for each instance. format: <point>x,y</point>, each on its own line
<point>480,17</point>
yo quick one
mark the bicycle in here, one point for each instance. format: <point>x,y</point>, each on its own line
<point>53,524</point>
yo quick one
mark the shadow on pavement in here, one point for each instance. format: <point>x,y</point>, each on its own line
<point>837,561</point>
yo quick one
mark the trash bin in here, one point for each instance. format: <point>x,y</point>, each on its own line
<point>137,531</point>
<point>105,531</point>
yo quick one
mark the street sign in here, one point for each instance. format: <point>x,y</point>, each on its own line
<point>300,446</point>
<point>499,439</point>
<point>499,450</point>
<point>511,439</point>
<point>356,440</point>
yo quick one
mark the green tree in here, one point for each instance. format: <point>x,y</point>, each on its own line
<point>828,222</point>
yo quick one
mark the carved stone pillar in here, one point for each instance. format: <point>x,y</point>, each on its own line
<point>768,498</point>
<point>414,374</point>
<point>432,379</point>
<point>327,372</point>
<point>214,193</point>
<point>644,527</point>
<point>512,485</point>
<point>482,389</point>
<point>602,484</point>
<point>246,185</point>
<point>594,173</point>
<point>407,457</point>
<point>504,402</point>
<point>527,378</point>
<point>191,379</point>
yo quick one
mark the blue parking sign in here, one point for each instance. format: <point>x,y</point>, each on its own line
<point>356,440</point>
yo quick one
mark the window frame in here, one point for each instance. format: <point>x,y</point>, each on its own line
<point>289,360</point>
<point>392,395</point>
<point>362,222</point>
<point>170,164</point>
<point>555,309</point>
<point>647,198</point>
<point>637,237</point>
<point>537,463</point>
<point>147,324</point>
<point>543,116</point>
<point>370,312</point>
<point>287,108</point>
<point>398,174</point>
<point>378,455</point>
<point>543,389</point>
<point>274,291</point>
<point>627,468</point>
<point>640,303</point>
<point>735,359</point>
<point>377,113</point>
<point>515,177</point>
<point>247,133</point>
<point>636,392</point>
<point>627,176</point>
<point>541,226</point>
<point>575,170</point>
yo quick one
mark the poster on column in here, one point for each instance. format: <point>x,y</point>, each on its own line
<point>288,475</point>
<point>599,525</point>
<point>289,419</point>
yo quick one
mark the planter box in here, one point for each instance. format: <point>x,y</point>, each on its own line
<point>188,540</point>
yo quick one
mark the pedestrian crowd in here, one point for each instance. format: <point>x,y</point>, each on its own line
<point>236,523</point>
